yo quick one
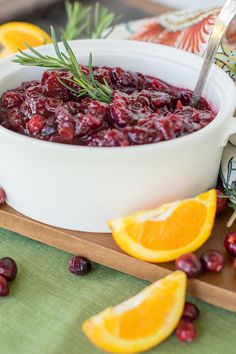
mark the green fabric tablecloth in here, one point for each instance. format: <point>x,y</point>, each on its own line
<point>47,305</point>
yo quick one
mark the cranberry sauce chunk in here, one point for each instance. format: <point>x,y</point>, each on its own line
<point>143,110</point>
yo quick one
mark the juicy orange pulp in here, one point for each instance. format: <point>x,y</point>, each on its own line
<point>189,216</point>
<point>165,233</point>
<point>14,35</point>
<point>141,322</point>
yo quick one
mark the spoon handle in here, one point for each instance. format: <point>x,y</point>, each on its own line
<point>225,17</point>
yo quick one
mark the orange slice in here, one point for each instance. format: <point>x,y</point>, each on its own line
<point>165,233</point>
<point>13,35</point>
<point>141,322</point>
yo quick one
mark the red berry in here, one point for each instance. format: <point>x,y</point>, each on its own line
<point>34,91</point>
<point>213,261</point>
<point>8,268</point>
<point>190,264</point>
<point>66,132</point>
<point>143,110</point>
<point>85,124</point>
<point>36,124</point>
<point>179,105</point>
<point>234,263</point>
<point>2,196</point>
<point>222,202</point>
<point>4,289</point>
<point>11,99</point>
<point>108,138</point>
<point>230,243</point>
<point>186,331</point>
<point>15,118</point>
<point>53,88</point>
<point>79,265</point>
<point>191,312</point>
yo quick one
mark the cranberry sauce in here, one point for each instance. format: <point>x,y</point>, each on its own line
<point>143,110</point>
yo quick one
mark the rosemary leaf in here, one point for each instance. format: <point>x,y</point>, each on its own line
<point>88,22</point>
<point>67,61</point>
<point>78,18</point>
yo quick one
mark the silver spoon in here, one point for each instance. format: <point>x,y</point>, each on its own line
<point>225,17</point>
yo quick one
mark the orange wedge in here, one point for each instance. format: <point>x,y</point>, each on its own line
<point>13,35</point>
<point>165,233</point>
<point>141,322</point>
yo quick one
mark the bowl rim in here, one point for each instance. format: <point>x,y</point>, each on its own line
<point>192,63</point>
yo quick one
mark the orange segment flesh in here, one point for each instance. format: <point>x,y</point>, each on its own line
<point>141,322</point>
<point>14,35</point>
<point>165,233</point>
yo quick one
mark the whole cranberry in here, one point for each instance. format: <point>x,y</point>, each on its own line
<point>11,99</point>
<point>2,196</point>
<point>190,264</point>
<point>213,261</point>
<point>4,288</point>
<point>222,202</point>
<point>79,265</point>
<point>35,124</point>
<point>234,263</point>
<point>66,132</point>
<point>230,243</point>
<point>8,268</point>
<point>186,331</point>
<point>191,312</point>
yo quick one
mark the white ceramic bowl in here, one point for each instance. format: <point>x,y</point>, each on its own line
<point>81,188</point>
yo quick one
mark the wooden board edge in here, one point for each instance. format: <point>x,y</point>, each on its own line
<point>65,241</point>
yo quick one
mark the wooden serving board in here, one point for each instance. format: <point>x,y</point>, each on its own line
<point>217,289</point>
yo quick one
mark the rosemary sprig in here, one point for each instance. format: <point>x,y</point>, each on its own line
<point>103,22</point>
<point>230,190</point>
<point>88,85</point>
<point>88,22</point>
<point>78,20</point>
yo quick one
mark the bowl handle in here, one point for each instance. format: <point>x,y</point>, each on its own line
<point>229,133</point>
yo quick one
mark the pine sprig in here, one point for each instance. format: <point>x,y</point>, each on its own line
<point>67,61</point>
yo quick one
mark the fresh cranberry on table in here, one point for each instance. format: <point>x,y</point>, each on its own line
<point>8,268</point>
<point>2,196</point>
<point>79,265</point>
<point>191,312</point>
<point>212,261</point>
<point>190,264</point>
<point>186,331</point>
<point>4,288</point>
<point>230,243</point>
<point>222,202</point>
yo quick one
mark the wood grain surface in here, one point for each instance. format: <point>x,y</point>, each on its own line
<point>11,8</point>
<point>217,289</point>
